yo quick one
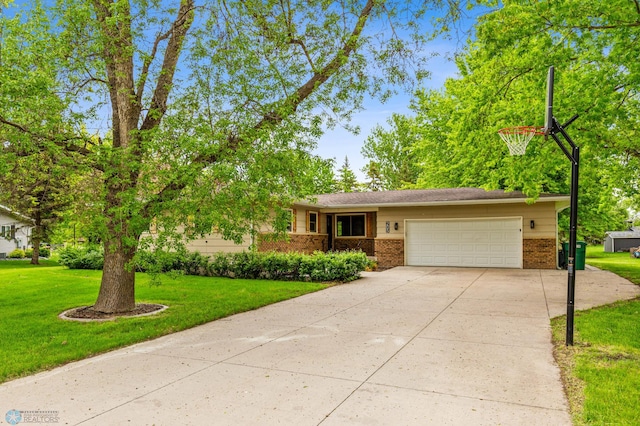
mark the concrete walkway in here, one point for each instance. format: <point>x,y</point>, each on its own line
<point>409,346</point>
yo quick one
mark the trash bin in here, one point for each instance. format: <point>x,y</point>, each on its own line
<point>581,254</point>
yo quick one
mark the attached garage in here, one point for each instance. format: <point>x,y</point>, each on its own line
<point>464,242</point>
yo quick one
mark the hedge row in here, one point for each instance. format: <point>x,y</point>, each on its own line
<point>335,266</point>
<point>320,267</point>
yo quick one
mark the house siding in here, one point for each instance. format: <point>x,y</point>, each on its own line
<point>214,243</point>
<point>543,215</point>
<point>22,234</point>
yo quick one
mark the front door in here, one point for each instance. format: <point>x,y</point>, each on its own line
<point>330,232</point>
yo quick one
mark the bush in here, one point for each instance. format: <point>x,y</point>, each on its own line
<point>17,254</point>
<point>90,257</point>
<point>338,266</point>
<point>320,267</point>
<point>44,252</point>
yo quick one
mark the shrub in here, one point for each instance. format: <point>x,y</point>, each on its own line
<point>338,266</point>
<point>44,252</point>
<point>334,266</point>
<point>17,254</point>
<point>220,265</point>
<point>90,257</point>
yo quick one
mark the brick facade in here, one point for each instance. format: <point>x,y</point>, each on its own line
<point>539,254</point>
<point>389,253</point>
<point>366,245</point>
<point>302,243</point>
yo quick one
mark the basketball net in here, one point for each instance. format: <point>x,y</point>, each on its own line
<point>517,138</point>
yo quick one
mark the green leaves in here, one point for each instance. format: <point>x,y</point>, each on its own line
<point>503,84</point>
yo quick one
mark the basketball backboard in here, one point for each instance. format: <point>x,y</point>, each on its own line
<point>548,116</point>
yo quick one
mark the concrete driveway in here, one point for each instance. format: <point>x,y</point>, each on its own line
<point>408,346</point>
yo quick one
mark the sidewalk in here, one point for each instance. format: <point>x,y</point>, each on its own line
<point>408,346</point>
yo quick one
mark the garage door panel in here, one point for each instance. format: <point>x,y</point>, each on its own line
<point>495,242</point>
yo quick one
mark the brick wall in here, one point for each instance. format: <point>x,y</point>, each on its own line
<point>389,253</point>
<point>302,243</point>
<point>366,245</point>
<point>539,254</point>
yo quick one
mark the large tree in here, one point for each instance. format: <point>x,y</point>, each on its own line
<point>211,107</point>
<point>502,83</point>
<point>391,153</point>
<point>40,188</point>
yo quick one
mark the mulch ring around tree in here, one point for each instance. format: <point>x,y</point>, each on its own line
<point>87,313</point>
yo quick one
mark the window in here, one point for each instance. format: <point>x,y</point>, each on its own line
<point>350,225</point>
<point>8,232</point>
<point>291,225</point>
<point>313,222</point>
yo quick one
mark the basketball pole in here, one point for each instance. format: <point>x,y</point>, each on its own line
<point>574,156</point>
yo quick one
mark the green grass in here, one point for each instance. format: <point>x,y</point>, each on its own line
<point>602,370</point>
<point>35,339</point>
<point>619,263</point>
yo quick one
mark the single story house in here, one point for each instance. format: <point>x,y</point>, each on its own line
<point>617,241</point>
<point>15,231</point>
<point>466,227</point>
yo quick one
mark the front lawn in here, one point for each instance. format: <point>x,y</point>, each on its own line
<point>35,339</point>
<point>602,370</point>
<point>619,263</point>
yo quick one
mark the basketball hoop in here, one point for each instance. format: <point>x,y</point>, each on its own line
<point>517,138</point>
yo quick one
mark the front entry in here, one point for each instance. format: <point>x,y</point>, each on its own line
<point>330,232</point>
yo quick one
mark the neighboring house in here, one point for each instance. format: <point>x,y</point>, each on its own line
<point>15,231</point>
<point>466,227</point>
<point>616,241</point>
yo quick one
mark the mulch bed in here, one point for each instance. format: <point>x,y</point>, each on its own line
<point>87,312</point>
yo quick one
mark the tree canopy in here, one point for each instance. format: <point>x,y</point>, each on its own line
<point>205,111</point>
<point>502,83</point>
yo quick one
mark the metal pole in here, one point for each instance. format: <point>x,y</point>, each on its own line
<point>573,224</point>
<point>574,157</point>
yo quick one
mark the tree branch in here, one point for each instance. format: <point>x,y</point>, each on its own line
<point>178,31</point>
<point>271,118</point>
<point>147,63</point>
<point>325,73</point>
<point>64,143</point>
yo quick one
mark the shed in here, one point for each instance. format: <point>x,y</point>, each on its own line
<point>617,241</point>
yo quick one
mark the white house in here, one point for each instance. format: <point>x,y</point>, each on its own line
<point>15,231</point>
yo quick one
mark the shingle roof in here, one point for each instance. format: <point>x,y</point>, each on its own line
<point>624,234</point>
<point>7,211</point>
<point>425,197</point>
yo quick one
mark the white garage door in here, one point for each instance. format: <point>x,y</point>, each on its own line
<point>493,243</point>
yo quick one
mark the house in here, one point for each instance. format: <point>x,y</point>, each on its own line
<point>15,231</point>
<point>466,227</point>
<point>616,241</point>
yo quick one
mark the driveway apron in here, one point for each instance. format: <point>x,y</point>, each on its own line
<point>407,346</point>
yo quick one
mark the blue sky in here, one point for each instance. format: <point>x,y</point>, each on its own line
<point>338,143</point>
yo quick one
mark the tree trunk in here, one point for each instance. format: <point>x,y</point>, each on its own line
<point>117,289</point>
<point>35,256</point>
<point>36,238</point>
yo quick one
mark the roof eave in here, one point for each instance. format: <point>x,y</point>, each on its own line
<point>561,198</point>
